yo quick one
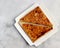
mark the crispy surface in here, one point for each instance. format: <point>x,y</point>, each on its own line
<point>35,31</point>
<point>36,16</point>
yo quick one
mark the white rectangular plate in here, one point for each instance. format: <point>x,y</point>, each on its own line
<point>44,37</point>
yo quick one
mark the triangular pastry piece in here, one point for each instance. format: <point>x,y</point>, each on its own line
<point>35,31</point>
<point>36,16</point>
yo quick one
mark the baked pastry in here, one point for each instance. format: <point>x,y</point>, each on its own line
<point>35,24</point>
<point>36,16</point>
<point>35,31</point>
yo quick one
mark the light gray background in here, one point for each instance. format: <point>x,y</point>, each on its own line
<point>9,36</point>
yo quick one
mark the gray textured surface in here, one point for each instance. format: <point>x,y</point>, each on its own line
<point>9,36</point>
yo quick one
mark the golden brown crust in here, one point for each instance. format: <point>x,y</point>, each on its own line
<point>42,24</point>
<point>35,31</point>
<point>36,16</point>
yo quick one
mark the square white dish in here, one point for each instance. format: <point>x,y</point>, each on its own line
<point>44,37</point>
